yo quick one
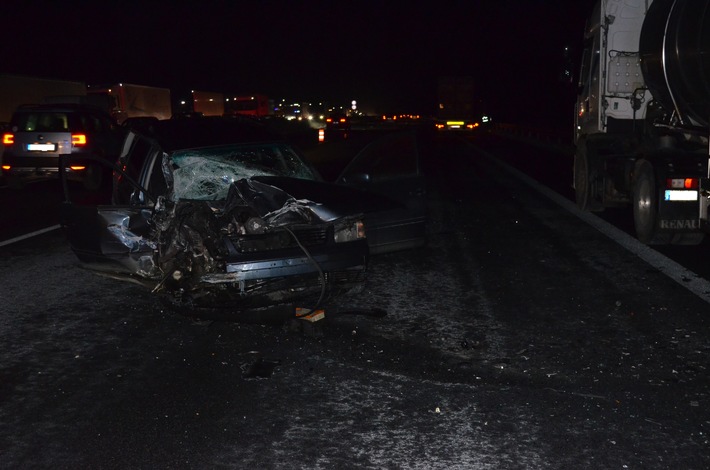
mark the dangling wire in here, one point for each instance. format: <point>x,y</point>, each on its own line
<point>315,263</point>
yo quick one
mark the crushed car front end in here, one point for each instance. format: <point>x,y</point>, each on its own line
<point>218,256</point>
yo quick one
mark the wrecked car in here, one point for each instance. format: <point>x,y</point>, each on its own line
<point>220,218</point>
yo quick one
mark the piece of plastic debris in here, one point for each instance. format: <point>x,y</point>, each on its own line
<point>310,315</point>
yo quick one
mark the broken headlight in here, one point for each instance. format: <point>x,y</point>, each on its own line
<point>349,231</point>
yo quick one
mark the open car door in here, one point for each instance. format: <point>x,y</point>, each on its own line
<point>390,166</point>
<point>110,237</point>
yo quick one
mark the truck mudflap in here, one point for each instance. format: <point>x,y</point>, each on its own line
<point>678,222</point>
<point>704,205</point>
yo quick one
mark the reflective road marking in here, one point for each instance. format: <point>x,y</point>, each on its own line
<point>28,235</point>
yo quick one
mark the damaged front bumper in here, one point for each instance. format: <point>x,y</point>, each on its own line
<point>302,280</point>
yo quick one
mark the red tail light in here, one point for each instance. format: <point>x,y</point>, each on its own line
<point>682,183</point>
<point>8,139</point>
<point>342,119</point>
<point>78,140</point>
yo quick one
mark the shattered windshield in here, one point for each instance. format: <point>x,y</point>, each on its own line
<point>206,173</point>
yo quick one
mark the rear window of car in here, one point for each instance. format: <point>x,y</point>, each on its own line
<point>41,122</point>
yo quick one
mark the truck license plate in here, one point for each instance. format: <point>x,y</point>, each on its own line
<point>680,195</point>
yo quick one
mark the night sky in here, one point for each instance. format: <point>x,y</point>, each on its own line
<point>385,54</point>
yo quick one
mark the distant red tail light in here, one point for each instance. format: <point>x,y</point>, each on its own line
<point>78,140</point>
<point>682,183</point>
<point>8,139</point>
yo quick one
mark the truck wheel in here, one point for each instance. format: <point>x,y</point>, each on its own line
<point>93,176</point>
<point>646,207</point>
<point>582,177</point>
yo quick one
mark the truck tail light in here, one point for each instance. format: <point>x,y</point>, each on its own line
<point>77,167</point>
<point>77,140</point>
<point>682,183</point>
<point>8,139</point>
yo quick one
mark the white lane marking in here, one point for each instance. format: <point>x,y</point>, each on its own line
<point>686,278</point>
<point>29,235</point>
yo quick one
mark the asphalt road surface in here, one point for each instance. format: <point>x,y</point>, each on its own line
<point>519,337</point>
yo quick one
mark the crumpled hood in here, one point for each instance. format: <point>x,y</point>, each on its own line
<point>274,205</point>
<point>340,200</point>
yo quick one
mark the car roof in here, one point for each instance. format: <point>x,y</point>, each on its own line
<point>179,134</point>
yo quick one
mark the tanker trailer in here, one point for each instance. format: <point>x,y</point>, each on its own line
<point>641,120</point>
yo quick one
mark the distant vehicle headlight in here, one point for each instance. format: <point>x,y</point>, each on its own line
<point>349,231</point>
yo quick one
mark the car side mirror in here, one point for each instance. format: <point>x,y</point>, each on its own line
<point>137,198</point>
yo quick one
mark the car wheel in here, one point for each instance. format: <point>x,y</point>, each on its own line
<point>645,206</point>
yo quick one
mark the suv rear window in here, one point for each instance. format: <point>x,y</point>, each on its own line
<point>41,122</point>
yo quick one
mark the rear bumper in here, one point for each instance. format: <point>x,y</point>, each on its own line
<point>27,168</point>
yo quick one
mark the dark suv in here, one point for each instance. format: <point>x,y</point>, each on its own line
<point>38,134</point>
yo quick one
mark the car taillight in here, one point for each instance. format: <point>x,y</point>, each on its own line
<point>682,183</point>
<point>78,140</point>
<point>342,119</point>
<point>8,139</point>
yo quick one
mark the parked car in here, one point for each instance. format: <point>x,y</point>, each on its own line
<point>38,134</point>
<point>222,218</point>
